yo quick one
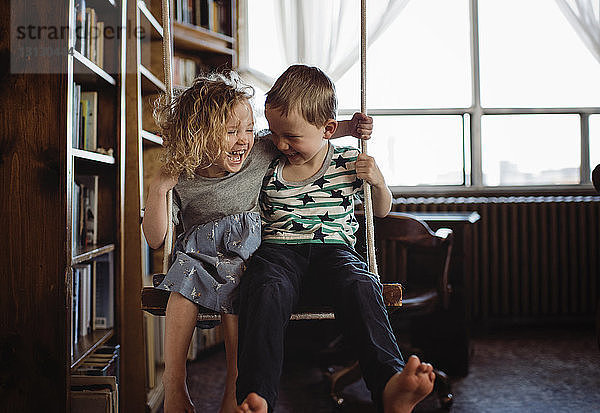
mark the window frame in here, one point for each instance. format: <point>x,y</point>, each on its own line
<point>472,115</point>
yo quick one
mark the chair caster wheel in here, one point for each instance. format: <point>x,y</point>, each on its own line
<point>338,402</point>
<point>446,400</point>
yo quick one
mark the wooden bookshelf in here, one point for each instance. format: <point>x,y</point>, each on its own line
<point>42,165</point>
<point>209,50</point>
<point>88,344</point>
<point>194,38</point>
<point>91,252</point>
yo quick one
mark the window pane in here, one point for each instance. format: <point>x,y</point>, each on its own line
<point>594,141</point>
<point>264,52</point>
<point>417,150</point>
<point>531,56</point>
<point>421,61</point>
<point>530,149</point>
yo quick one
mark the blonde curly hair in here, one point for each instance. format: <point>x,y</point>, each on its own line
<point>194,124</point>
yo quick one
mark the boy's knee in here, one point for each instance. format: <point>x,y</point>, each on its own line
<point>363,286</point>
<point>264,287</point>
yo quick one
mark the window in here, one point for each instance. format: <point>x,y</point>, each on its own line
<point>530,149</point>
<point>402,146</point>
<point>421,61</point>
<point>539,62</point>
<point>474,93</point>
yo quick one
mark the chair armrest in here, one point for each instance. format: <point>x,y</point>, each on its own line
<point>596,177</point>
<point>443,233</point>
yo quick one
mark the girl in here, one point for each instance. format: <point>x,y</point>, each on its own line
<point>216,168</point>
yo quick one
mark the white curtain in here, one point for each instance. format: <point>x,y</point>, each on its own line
<point>326,33</point>
<point>584,16</point>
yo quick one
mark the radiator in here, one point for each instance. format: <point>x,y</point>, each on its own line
<point>531,256</point>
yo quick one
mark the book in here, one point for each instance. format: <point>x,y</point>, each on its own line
<point>104,297</point>
<point>103,362</point>
<point>94,394</point>
<point>113,350</point>
<point>199,12</point>
<point>178,10</point>
<point>74,310</point>
<point>90,24</point>
<point>99,43</point>
<point>212,19</point>
<point>76,114</point>
<point>90,113</point>
<point>75,214</point>
<point>90,186</point>
<point>83,111</point>
<point>85,293</point>
<point>80,25</point>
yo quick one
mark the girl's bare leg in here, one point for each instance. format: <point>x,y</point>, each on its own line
<point>230,330</point>
<point>179,327</point>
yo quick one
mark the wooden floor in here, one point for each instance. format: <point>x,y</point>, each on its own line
<point>511,370</point>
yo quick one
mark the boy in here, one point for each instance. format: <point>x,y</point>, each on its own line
<point>308,239</point>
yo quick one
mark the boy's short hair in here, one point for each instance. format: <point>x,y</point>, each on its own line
<point>306,89</point>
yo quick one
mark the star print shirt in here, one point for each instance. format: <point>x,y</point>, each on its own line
<point>318,210</point>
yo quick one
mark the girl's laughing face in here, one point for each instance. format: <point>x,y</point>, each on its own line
<point>240,139</point>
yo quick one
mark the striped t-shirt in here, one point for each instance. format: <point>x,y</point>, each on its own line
<point>317,210</point>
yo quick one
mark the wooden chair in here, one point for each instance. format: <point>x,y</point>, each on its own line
<point>409,252</point>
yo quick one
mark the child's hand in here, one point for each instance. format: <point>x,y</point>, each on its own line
<point>361,126</point>
<point>367,169</point>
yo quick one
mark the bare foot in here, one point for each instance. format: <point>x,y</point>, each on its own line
<point>253,404</point>
<point>405,389</point>
<point>177,398</point>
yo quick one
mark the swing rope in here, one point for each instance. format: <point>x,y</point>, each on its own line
<point>368,206</point>
<point>167,59</point>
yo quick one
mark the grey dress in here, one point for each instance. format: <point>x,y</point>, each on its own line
<point>221,230</point>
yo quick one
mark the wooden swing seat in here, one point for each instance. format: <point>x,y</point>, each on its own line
<point>154,301</point>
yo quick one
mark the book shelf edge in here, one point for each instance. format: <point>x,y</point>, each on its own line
<point>93,68</point>
<point>93,156</point>
<point>97,339</point>
<point>91,253</point>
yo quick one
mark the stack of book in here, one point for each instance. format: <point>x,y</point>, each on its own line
<point>185,70</point>
<point>210,14</point>
<point>103,362</point>
<point>93,298</point>
<point>89,33</point>
<point>85,119</point>
<point>94,394</point>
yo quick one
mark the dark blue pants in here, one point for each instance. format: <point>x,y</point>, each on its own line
<point>333,274</point>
